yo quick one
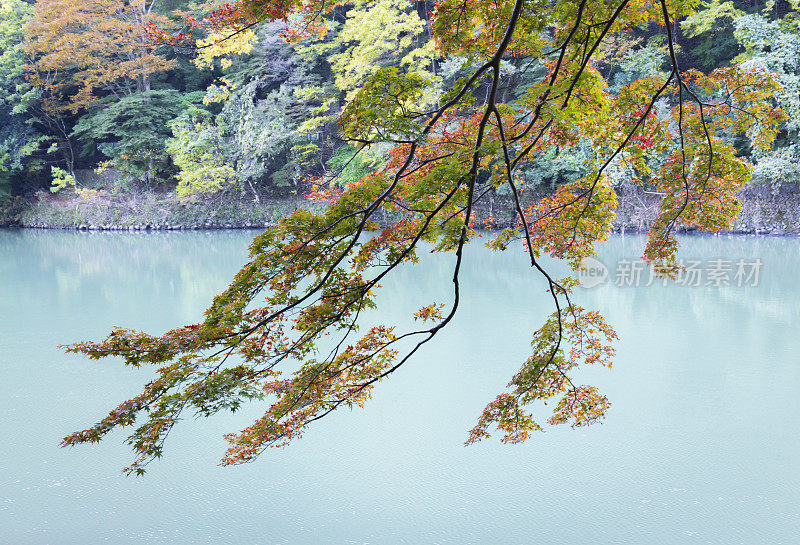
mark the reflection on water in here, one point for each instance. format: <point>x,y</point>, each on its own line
<point>701,444</point>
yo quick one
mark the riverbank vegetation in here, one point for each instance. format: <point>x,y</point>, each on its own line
<point>94,108</point>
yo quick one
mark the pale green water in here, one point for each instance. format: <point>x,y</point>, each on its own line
<point>702,443</point>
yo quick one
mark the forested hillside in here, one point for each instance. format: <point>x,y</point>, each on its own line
<point>93,102</point>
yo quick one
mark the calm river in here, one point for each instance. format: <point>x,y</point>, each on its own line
<point>701,445</point>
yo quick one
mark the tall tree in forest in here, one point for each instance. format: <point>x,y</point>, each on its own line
<point>19,140</point>
<point>374,35</point>
<point>86,51</point>
<point>312,276</point>
<point>774,45</point>
<point>82,48</point>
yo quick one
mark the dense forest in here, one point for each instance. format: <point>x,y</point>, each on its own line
<point>92,101</point>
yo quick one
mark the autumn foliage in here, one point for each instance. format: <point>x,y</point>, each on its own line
<point>83,47</point>
<point>310,277</point>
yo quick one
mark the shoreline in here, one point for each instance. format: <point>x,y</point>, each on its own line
<point>254,227</point>
<point>138,228</point>
<point>766,211</point>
